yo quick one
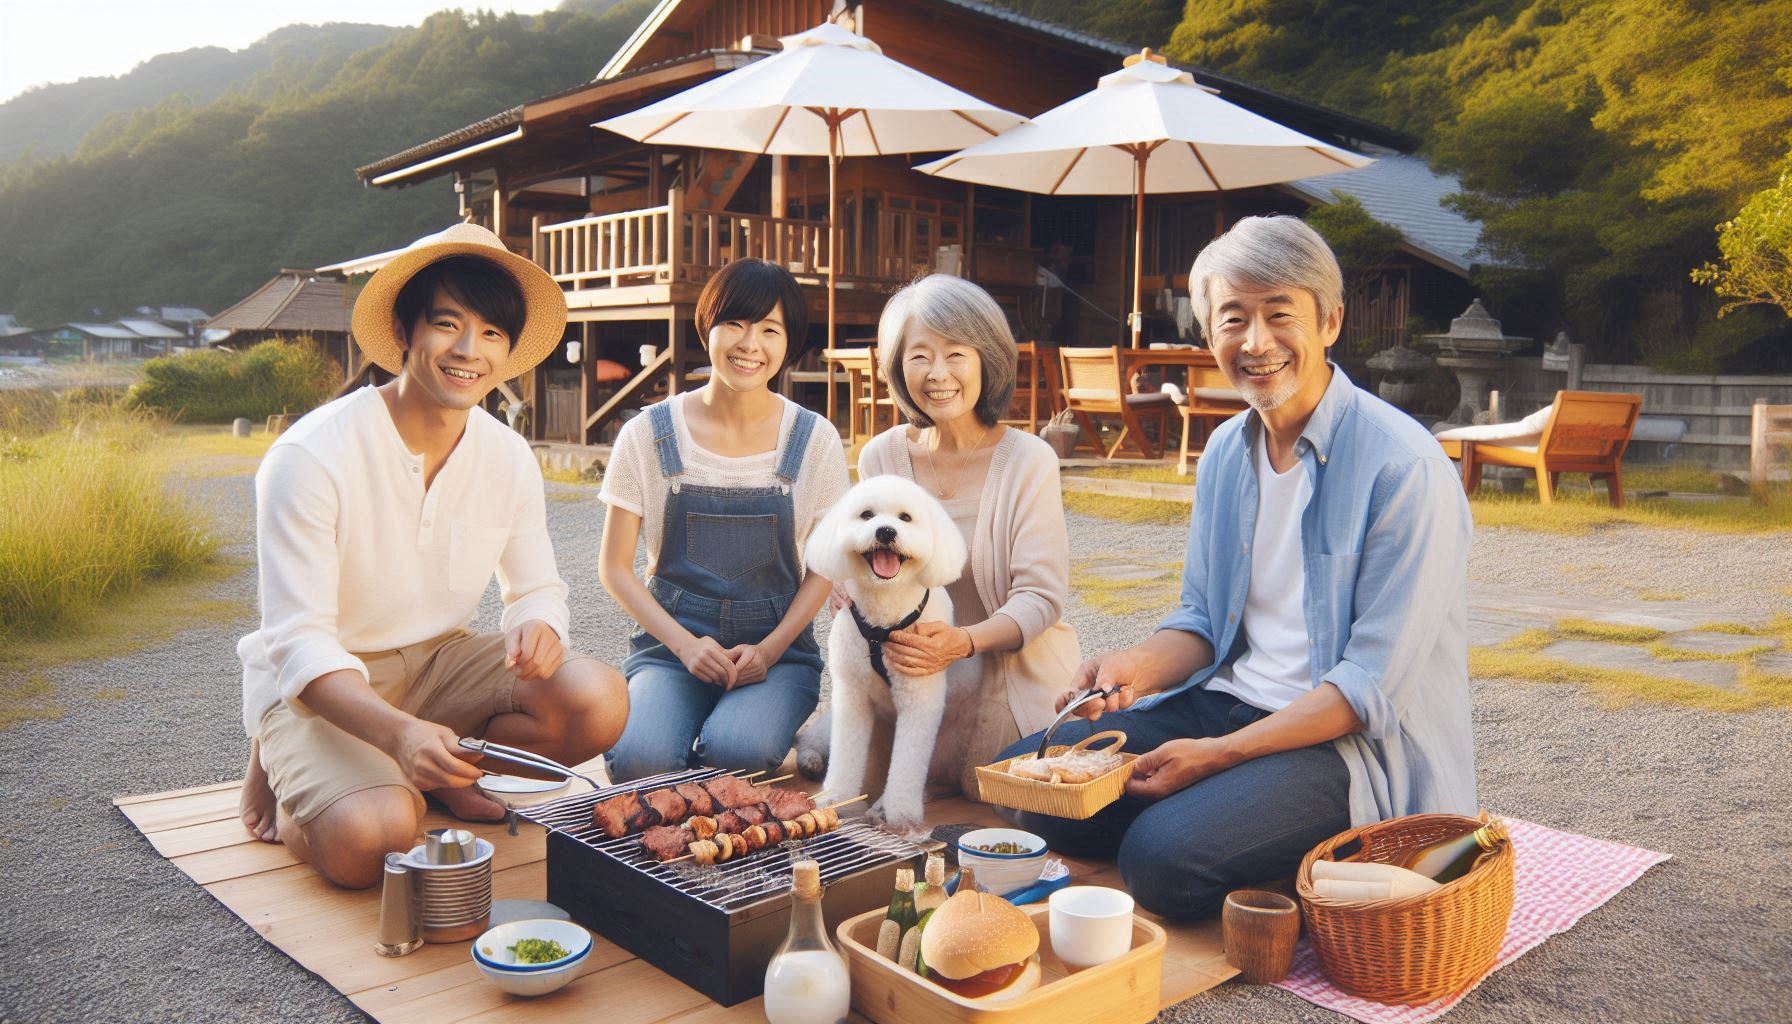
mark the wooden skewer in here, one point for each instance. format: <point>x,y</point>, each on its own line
<point>768,782</point>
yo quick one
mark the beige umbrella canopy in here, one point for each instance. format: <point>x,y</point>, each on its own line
<point>1147,128</point>
<point>830,92</point>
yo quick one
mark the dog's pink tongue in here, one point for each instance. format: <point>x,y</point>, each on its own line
<point>885,563</point>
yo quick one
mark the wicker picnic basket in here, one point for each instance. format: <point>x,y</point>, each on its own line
<point>1062,799</point>
<point>1420,948</point>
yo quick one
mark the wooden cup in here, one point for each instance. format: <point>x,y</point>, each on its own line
<point>1260,929</point>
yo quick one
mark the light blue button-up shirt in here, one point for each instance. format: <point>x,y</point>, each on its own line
<point>1385,540</point>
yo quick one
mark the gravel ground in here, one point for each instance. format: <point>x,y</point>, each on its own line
<point>97,927</point>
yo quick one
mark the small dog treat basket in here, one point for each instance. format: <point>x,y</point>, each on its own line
<point>1077,800</point>
<point>1419,948</point>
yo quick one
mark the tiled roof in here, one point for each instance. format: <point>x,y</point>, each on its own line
<point>1404,192</point>
<point>152,329</point>
<point>295,300</point>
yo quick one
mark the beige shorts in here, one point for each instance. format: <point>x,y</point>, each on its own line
<point>458,680</point>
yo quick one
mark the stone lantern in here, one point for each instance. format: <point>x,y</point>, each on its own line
<point>1401,371</point>
<point>1474,350</point>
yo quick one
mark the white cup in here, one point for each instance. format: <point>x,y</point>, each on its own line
<point>1090,924</point>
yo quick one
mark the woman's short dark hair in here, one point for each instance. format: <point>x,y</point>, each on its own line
<point>482,286</point>
<point>748,290</point>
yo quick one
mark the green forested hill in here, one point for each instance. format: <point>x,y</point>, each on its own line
<point>197,202</point>
<point>51,121</point>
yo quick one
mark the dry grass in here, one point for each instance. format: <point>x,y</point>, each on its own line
<point>1108,596</point>
<point>1146,474</point>
<point>1521,659</point>
<point>84,516</point>
<point>1128,510</point>
<point>1577,512</point>
<point>30,698</point>
<point>196,451</point>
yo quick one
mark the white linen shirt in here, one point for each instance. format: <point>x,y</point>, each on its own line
<point>354,554</point>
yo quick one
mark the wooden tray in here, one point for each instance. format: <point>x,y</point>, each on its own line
<point>1063,799</point>
<point>1122,991</point>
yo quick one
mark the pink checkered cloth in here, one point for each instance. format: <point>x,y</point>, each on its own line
<point>1558,877</point>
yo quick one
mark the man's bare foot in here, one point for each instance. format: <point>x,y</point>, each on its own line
<point>470,803</point>
<point>256,806</point>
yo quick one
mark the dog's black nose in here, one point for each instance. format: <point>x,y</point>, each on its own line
<point>886,535</point>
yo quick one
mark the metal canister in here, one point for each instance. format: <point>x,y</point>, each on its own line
<point>399,931</point>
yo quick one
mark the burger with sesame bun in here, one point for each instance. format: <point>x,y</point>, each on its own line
<point>980,947</point>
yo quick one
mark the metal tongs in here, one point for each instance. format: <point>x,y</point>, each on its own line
<point>1075,702</point>
<point>525,758</point>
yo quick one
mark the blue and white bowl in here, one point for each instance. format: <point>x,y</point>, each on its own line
<point>1002,873</point>
<point>491,954</point>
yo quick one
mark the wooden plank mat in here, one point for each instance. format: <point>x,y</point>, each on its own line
<point>330,931</point>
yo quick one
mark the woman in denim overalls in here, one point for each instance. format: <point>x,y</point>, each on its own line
<point>724,668</point>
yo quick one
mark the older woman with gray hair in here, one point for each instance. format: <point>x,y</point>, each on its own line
<point>946,351</point>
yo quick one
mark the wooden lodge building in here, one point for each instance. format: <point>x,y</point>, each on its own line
<point>632,231</point>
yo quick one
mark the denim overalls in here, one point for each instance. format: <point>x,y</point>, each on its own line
<point>727,569</point>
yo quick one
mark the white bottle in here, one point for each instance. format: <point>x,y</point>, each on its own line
<point>807,981</point>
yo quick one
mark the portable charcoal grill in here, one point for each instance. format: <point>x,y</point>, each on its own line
<point>714,928</point>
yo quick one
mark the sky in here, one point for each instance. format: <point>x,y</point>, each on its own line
<point>43,41</point>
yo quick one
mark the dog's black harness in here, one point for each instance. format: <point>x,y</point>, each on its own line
<point>877,636</point>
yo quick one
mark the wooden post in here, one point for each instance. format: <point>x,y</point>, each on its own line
<point>780,189</point>
<point>498,207</point>
<point>535,253</point>
<point>674,231</point>
<point>833,227</point>
<point>583,434</point>
<point>1760,453</point>
<point>1136,320</point>
<point>675,344</point>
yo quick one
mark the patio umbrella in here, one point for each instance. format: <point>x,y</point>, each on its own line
<point>830,92</point>
<point>1147,128</point>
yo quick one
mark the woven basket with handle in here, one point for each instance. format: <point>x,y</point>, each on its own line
<point>1419,948</point>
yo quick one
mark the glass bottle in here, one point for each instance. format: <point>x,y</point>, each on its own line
<point>933,893</point>
<point>807,981</point>
<point>1452,858</point>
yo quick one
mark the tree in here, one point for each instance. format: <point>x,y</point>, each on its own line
<point>1756,246</point>
<point>1361,243</point>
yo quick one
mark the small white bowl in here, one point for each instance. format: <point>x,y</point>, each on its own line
<point>500,966</point>
<point>1003,873</point>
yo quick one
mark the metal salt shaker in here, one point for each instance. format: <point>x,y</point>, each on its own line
<point>399,932</point>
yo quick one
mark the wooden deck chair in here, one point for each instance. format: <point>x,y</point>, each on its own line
<point>1211,401</point>
<point>867,399</point>
<point>1036,389</point>
<point>1095,386</point>
<point>1586,432</point>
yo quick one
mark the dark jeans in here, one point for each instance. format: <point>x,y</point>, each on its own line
<point>1181,855</point>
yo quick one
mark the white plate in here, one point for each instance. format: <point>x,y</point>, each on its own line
<point>518,784</point>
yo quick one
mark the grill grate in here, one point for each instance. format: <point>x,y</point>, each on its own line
<point>854,846</point>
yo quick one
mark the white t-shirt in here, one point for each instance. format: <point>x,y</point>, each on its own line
<point>633,481</point>
<point>356,556</point>
<point>1273,670</point>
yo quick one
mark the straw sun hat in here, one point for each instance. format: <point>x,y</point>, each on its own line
<point>543,301</point>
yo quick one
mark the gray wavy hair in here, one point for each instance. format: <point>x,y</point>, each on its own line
<point>1267,252</point>
<point>961,312</point>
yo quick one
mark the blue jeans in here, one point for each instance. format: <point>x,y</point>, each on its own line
<point>1181,855</point>
<point>677,721</point>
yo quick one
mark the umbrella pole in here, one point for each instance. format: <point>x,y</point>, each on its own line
<point>833,220</point>
<point>1137,320</point>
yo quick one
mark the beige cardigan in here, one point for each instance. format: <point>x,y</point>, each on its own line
<point>1020,562</point>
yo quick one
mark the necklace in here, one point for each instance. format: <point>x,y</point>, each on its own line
<point>939,482</point>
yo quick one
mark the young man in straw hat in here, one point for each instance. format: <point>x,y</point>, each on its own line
<point>380,519</point>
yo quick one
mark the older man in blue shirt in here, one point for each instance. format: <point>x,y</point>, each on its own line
<point>1326,566</point>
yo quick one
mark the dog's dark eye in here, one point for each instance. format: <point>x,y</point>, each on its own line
<point>865,514</point>
<point>904,517</point>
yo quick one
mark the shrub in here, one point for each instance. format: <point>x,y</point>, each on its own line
<point>215,386</point>
<point>83,515</point>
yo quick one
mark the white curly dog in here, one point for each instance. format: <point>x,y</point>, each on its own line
<point>894,548</point>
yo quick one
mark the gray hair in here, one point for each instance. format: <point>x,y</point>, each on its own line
<point>960,312</point>
<point>1266,252</point>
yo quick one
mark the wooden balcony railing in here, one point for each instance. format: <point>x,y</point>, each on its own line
<point>671,243</point>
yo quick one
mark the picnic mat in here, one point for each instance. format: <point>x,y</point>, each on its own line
<point>331,931</point>
<point>1557,878</point>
